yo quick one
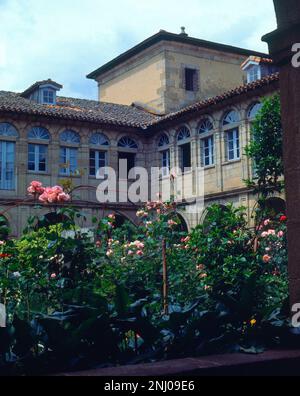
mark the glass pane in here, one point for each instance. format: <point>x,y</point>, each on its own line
<point>73,160</point>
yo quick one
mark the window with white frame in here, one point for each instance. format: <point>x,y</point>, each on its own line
<point>233,144</point>
<point>254,73</point>
<point>207,151</point>
<point>232,135</point>
<point>7,165</point>
<point>69,155</point>
<point>38,153</point>
<point>48,96</point>
<point>98,160</point>
<point>68,160</point>
<point>164,153</point>
<point>37,157</point>
<point>7,156</point>
<point>184,147</point>
<point>206,143</point>
<point>165,162</point>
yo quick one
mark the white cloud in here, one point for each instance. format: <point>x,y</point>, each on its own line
<point>66,39</point>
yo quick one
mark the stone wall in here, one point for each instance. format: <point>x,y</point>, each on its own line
<point>155,77</point>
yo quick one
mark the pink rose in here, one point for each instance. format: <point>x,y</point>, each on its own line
<point>280,234</point>
<point>35,187</point>
<point>63,197</point>
<point>57,190</point>
<point>172,223</point>
<point>53,276</point>
<point>43,198</point>
<point>109,253</point>
<point>139,253</point>
<point>266,258</point>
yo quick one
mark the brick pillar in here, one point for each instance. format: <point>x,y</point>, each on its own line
<point>280,44</point>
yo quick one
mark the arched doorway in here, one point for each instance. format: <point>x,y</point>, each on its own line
<point>206,216</point>
<point>51,219</point>
<point>274,207</point>
<point>4,228</point>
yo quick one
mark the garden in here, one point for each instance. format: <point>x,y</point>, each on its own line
<point>78,300</point>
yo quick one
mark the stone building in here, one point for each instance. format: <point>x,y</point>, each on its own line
<point>171,101</point>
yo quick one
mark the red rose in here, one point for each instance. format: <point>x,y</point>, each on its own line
<point>5,255</point>
<point>283,218</point>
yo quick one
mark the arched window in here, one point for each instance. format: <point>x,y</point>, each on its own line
<point>98,158</point>
<point>232,117</point>
<point>163,140</point>
<point>253,110</point>
<point>183,134</point>
<point>38,153</point>
<point>7,129</point>
<point>127,142</point>
<point>205,126</point>
<point>38,133</point>
<point>184,147</point>
<point>69,155</point>
<point>70,136</point>
<point>164,153</point>
<point>232,135</point>
<point>99,139</point>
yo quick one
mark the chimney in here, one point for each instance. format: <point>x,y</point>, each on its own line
<point>183,32</point>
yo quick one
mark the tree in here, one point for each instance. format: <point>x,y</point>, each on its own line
<point>265,150</point>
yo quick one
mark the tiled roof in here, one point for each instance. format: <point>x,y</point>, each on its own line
<point>114,114</point>
<point>252,87</point>
<point>78,110</point>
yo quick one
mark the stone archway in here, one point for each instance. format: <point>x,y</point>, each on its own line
<point>275,206</point>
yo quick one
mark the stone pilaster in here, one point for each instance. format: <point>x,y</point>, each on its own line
<point>280,44</point>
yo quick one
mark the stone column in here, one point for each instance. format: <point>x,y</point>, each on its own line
<point>280,44</point>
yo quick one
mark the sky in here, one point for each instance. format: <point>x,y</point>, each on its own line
<point>67,39</point>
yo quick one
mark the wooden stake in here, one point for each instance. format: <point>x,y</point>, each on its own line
<point>165,278</point>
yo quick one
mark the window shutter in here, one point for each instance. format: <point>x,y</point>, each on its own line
<point>197,80</point>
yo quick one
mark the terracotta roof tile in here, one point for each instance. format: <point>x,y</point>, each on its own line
<point>78,109</point>
<point>273,78</point>
<point>114,114</point>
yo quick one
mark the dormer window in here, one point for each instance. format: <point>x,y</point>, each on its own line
<point>43,92</point>
<point>48,96</point>
<point>258,68</point>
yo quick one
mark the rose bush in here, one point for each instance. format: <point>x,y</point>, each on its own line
<point>75,300</point>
